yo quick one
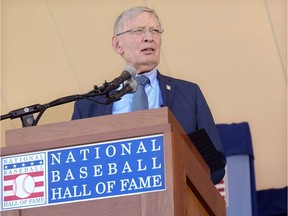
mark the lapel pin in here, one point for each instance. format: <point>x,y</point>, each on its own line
<point>168,87</point>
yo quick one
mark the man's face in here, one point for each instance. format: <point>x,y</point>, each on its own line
<point>141,51</point>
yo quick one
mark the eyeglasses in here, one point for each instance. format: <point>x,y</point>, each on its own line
<point>142,30</point>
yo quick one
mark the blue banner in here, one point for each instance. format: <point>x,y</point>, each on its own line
<point>92,171</point>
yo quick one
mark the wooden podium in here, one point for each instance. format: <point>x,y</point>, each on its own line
<point>189,190</point>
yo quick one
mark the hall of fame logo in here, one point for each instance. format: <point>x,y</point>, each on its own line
<point>23,181</point>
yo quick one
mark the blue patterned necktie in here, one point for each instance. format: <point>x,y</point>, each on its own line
<point>140,100</point>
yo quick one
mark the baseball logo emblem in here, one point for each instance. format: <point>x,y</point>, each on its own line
<point>23,186</point>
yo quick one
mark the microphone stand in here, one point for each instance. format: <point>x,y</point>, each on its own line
<point>26,113</point>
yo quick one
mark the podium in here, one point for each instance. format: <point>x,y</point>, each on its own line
<point>188,188</point>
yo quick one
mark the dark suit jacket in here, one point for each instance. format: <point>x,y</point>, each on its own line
<point>186,102</point>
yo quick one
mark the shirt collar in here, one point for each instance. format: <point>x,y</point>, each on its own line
<point>152,75</point>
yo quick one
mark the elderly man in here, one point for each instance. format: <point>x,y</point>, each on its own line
<point>137,38</point>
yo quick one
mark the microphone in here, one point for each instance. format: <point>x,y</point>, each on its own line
<point>130,86</point>
<point>128,72</point>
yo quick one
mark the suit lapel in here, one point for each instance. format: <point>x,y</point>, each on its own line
<point>168,88</point>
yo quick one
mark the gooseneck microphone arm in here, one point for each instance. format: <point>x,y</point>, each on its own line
<point>26,113</point>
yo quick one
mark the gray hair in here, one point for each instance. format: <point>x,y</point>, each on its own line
<point>131,13</point>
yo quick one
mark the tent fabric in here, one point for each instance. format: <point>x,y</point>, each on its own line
<point>236,139</point>
<point>238,190</point>
<point>272,202</point>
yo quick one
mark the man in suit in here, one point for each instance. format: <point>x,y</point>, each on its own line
<point>137,38</point>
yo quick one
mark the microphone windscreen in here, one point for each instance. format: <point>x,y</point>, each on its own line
<point>132,83</point>
<point>131,70</point>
